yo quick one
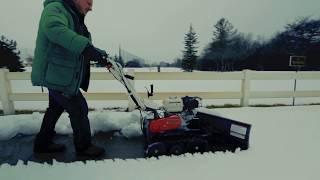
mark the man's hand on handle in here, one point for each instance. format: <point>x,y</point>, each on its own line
<point>92,53</point>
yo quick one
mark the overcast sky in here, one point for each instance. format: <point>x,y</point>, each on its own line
<point>154,29</point>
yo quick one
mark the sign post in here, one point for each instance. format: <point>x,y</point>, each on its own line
<point>297,62</point>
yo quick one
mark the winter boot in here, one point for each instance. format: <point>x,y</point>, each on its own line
<point>48,148</point>
<point>91,151</point>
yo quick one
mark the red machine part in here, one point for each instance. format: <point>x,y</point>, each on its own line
<point>165,124</point>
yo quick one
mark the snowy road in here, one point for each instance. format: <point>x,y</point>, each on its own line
<point>19,148</point>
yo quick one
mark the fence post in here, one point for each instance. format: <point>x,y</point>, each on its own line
<point>245,89</point>
<point>5,91</point>
<point>131,104</point>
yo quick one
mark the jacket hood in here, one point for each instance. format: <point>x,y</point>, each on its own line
<point>46,2</point>
<point>70,3</point>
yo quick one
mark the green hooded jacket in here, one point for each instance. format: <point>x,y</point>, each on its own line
<point>58,63</point>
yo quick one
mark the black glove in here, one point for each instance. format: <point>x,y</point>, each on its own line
<point>90,53</point>
<point>104,60</point>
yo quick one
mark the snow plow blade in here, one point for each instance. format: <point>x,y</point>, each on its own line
<point>223,133</point>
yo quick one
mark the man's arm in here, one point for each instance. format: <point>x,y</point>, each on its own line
<point>55,26</point>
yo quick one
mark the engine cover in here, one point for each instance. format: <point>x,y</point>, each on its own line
<point>165,124</point>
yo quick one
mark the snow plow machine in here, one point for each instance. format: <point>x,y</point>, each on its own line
<point>194,129</point>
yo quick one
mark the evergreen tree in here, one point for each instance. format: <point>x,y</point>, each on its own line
<point>9,55</point>
<point>223,34</point>
<point>189,60</point>
<point>219,50</point>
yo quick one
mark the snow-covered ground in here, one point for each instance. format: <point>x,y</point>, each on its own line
<point>284,141</point>
<point>284,145</point>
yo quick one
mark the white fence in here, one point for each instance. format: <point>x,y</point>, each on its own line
<point>8,96</point>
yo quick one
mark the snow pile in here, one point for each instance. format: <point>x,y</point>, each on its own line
<point>128,123</point>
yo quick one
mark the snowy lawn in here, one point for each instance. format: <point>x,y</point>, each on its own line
<point>284,145</point>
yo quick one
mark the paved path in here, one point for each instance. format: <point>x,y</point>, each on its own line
<point>20,148</point>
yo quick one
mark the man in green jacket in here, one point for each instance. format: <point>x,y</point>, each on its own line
<point>62,64</point>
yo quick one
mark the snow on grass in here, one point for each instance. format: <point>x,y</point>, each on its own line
<point>284,144</point>
<point>126,122</point>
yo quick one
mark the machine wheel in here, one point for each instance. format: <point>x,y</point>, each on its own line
<point>176,149</point>
<point>197,145</point>
<point>156,149</point>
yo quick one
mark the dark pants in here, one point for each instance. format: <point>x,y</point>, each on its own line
<point>77,108</point>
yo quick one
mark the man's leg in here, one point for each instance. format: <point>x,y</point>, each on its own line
<point>44,139</point>
<point>78,113</point>
<point>77,108</point>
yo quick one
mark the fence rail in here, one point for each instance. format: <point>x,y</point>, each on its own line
<point>8,96</point>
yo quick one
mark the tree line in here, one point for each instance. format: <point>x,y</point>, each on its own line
<point>230,50</point>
